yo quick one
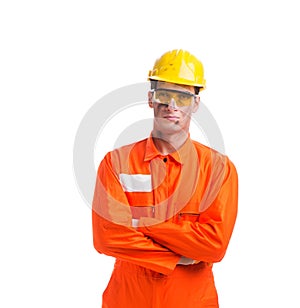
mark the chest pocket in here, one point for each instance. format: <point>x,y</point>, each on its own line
<point>136,182</point>
<point>138,190</point>
<point>187,216</point>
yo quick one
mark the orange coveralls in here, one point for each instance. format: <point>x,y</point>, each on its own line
<point>150,209</point>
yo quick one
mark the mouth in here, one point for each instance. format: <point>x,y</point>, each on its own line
<point>171,118</point>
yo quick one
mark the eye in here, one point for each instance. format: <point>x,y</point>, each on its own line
<point>184,97</point>
<point>163,94</point>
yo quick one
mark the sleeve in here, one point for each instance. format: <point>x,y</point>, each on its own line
<point>112,231</point>
<point>207,239</point>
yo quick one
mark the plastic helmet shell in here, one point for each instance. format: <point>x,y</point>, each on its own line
<point>180,67</point>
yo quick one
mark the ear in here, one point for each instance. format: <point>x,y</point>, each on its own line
<point>196,103</point>
<point>150,96</point>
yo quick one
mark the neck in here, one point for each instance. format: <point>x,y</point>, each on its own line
<point>167,144</point>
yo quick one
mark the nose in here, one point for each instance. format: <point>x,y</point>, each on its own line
<point>172,104</point>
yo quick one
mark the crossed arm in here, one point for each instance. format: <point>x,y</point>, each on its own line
<point>160,247</point>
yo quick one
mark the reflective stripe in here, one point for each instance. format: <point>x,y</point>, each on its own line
<point>136,182</point>
<point>135,222</point>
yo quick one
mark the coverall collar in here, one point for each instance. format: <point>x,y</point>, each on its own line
<point>181,155</point>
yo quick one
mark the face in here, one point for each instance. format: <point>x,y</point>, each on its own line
<point>176,115</point>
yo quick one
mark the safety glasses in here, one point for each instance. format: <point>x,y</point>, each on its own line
<point>181,98</point>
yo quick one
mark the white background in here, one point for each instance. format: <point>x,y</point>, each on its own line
<point>59,57</point>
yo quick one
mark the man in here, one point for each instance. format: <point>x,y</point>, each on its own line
<point>165,207</point>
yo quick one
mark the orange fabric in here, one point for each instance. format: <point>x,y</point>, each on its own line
<point>133,286</point>
<point>189,211</point>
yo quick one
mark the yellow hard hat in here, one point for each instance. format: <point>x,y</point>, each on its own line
<point>178,66</point>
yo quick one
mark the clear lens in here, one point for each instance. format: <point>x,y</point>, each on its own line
<point>164,96</point>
